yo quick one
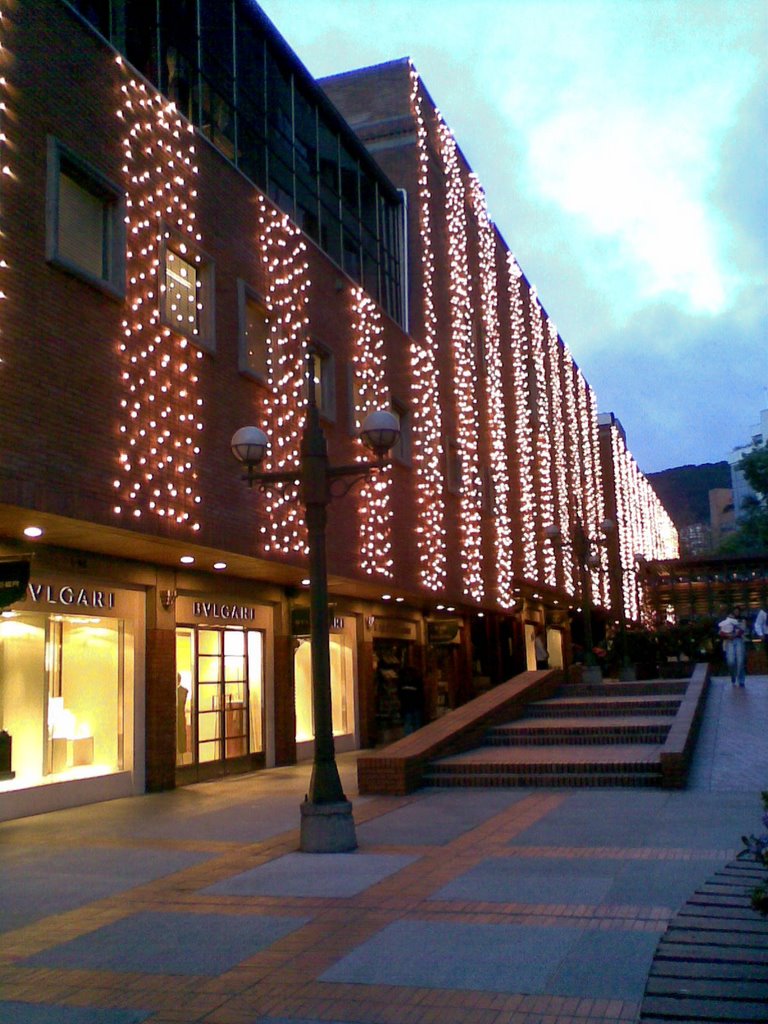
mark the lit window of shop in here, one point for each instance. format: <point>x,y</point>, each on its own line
<point>63,695</point>
<point>219,694</point>
<point>341,645</point>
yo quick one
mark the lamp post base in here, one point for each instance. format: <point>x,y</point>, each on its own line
<point>327,828</point>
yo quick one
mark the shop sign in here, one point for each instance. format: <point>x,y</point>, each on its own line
<point>444,631</point>
<point>300,625</point>
<point>393,629</point>
<point>81,597</point>
<point>14,577</point>
<point>228,612</point>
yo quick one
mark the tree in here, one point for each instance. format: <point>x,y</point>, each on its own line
<point>751,538</point>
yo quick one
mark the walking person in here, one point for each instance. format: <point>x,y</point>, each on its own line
<point>760,629</point>
<point>731,631</point>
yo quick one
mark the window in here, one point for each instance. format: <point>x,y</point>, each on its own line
<point>323,374</point>
<point>186,301</point>
<point>255,333</point>
<point>85,229</point>
<point>402,450</point>
<point>452,466</point>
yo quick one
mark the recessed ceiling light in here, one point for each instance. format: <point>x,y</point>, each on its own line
<point>219,565</point>
<point>481,615</point>
<point>33,531</point>
<point>399,599</point>
<point>187,559</point>
<point>305,583</point>
<point>440,607</point>
<point>386,597</point>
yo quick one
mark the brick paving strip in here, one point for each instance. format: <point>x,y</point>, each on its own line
<point>282,980</point>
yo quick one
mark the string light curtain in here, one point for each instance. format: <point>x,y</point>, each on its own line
<point>495,411</point>
<point>543,440</point>
<point>370,394</point>
<point>523,419</point>
<point>161,405</point>
<point>465,379</point>
<point>283,254</point>
<point>559,405</point>
<point>427,421</point>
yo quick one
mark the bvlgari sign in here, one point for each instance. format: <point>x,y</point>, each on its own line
<point>82,597</point>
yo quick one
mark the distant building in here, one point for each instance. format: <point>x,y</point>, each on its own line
<point>758,439</point>
<point>722,517</point>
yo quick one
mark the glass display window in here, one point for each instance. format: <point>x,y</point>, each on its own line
<point>342,687</point>
<point>219,694</point>
<point>62,695</point>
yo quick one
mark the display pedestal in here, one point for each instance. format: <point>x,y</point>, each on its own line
<point>327,828</point>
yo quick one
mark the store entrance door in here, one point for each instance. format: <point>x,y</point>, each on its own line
<point>219,700</point>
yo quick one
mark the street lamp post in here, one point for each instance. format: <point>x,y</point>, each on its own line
<point>582,545</point>
<point>327,825</point>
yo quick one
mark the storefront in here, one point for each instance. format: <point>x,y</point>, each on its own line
<point>71,695</point>
<point>393,642</point>
<point>342,648</point>
<point>222,692</point>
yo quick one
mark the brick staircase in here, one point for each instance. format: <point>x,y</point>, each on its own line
<point>596,734</point>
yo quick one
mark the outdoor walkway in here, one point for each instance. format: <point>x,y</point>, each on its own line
<point>473,906</point>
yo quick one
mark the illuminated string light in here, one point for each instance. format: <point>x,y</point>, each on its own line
<point>427,415</point>
<point>523,420</point>
<point>556,361</point>
<point>465,379</point>
<point>540,405</point>
<point>161,404</point>
<point>495,403</point>
<point>283,253</point>
<point>370,393</point>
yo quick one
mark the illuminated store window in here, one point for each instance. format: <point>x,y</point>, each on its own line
<point>85,228</point>
<point>187,293</point>
<point>254,334</point>
<point>62,697</point>
<point>219,694</point>
<point>342,687</point>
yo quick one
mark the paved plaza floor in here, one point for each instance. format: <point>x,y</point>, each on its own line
<point>477,906</point>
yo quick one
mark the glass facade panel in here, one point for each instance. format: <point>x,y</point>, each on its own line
<point>62,695</point>
<point>227,74</point>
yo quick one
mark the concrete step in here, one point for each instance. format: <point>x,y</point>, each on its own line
<point>591,707</point>
<point>609,765</point>
<point>581,731</point>
<point>618,688</point>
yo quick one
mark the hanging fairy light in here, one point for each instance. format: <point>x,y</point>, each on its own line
<point>543,442</point>
<point>494,391</point>
<point>427,419</point>
<point>465,379</point>
<point>161,404</point>
<point>523,419</point>
<point>370,394</point>
<point>558,401</point>
<point>283,253</point>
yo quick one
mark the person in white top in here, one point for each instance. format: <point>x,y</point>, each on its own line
<point>731,632</point>
<point>760,628</point>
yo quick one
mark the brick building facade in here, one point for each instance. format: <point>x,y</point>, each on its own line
<point>183,210</point>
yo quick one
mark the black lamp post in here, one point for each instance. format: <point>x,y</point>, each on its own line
<point>582,545</point>
<point>327,825</point>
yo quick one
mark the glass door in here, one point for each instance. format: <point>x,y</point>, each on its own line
<point>220,688</point>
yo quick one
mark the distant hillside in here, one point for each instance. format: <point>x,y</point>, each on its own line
<point>684,491</point>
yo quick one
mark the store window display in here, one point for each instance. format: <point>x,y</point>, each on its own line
<point>62,682</point>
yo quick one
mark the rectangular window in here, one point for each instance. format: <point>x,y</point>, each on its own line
<point>186,303</point>
<point>255,333</point>
<point>403,449</point>
<point>323,369</point>
<point>85,228</point>
<point>452,466</point>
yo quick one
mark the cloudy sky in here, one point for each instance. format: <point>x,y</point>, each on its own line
<point>623,146</point>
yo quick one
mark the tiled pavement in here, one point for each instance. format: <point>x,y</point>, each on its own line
<point>460,907</point>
